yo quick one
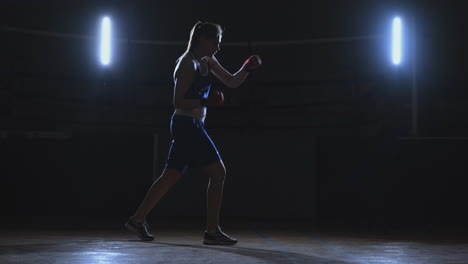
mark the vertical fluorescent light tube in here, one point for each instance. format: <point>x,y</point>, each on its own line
<point>396,41</point>
<point>105,41</point>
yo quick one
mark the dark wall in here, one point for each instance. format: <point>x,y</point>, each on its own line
<point>88,176</point>
<point>393,183</point>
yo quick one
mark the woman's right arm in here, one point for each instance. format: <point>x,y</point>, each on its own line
<point>229,79</point>
<point>183,78</point>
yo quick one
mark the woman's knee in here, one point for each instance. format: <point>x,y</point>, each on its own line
<point>217,171</point>
<point>219,176</point>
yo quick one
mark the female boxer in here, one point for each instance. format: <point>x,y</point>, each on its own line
<point>191,145</point>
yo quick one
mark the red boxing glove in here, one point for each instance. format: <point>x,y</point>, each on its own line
<point>215,98</point>
<point>252,62</point>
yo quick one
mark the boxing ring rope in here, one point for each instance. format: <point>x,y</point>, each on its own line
<point>184,43</point>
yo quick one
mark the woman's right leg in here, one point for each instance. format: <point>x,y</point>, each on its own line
<point>157,190</point>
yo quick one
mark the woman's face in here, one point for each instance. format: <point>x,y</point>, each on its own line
<point>211,45</point>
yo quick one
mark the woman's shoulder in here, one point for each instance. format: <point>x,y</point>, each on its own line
<point>185,63</point>
<point>186,60</point>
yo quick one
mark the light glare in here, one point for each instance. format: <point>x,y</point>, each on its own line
<point>105,50</point>
<point>396,41</point>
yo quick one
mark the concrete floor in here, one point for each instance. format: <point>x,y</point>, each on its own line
<point>256,245</point>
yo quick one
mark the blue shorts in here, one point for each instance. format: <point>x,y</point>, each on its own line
<point>191,146</point>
